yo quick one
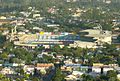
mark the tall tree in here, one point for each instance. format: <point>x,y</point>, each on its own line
<point>58,75</point>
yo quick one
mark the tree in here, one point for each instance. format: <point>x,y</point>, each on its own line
<point>1,76</point>
<point>9,46</point>
<point>2,39</point>
<point>4,56</point>
<point>107,59</point>
<point>23,54</point>
<point>111,76</point>
<point>16,60</point>
<point>66,51</point>
<point>77,52</point>
<point>20,79</point>
<point>58,75</point>
<point>48,59</point>
<point>111,73</point>
<point>4,78</point>
<point>87,78</point>
<point>26,76</point>
<point>118,38</point>
<point>56,48</point>
<point>22,72</point>
<point>35,79</point>
<point>110,50</point>
<point>39,49</point>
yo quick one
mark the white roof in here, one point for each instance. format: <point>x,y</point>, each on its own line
<point>77,73</point>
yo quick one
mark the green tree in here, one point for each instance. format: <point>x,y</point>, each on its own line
<point>39,49</point>
<point>110,50</point>
<point>66,51</point>
<point>111,73</point>
<point>9,46</point>
<point>2,39</point>
<point>16,60</point>
<point>58,75</point>
<point>4,56</point>
<point>4,78</point>
<point>48,59</point>
<point>56,48</point>
<point>87,78</point>
<point>118,38</point>
<point>35,79</point>
<point>107,60</point>
<point>77,52</point>
<point>22,72</point>
<point>1,76</point>
<point>23,54</point>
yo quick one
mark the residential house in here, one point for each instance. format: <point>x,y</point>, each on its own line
<point>36,15</point>
<point>29,69</point>
<point>84,68</point>
<point>96,69</point>
<point>77,73</point>
<point>106,69</point>
<point>117,69</point>
<point>71,78</point>
<point>67,69</point>
<point>7,70</point>
<point>13,64</point>
<point>101,68</point>
<point>2,17</point>
<point>45,66</point>
<point>68,61</point>
<point>4,21</point>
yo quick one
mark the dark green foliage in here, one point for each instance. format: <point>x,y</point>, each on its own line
<point>87,78</point>
<point>118,38</point>
<point>110,76</point>
<point>2,39</point>
<point>111,73</point>
<point>48,59</point>
<point>58,75</point>
<point>23,54</point>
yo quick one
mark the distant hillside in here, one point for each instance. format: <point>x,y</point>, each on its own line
<point>22,4</point>
<point>7,5</point>
<point>14,2</point>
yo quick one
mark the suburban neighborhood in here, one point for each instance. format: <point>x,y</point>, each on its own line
<point>59,40</point>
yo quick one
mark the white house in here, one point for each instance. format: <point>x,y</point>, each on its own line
<point>36,15</point>
<point>77,73</point>
<point>29,69</point>
<point>106,69</point>
<point>71,78</point>
<point>7,70</point>
<point>96,69</point>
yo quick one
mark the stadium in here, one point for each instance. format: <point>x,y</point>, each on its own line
<point>46,39</point>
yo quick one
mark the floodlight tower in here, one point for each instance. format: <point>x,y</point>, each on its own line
<point>100,28</point>
<point>13,32</point>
